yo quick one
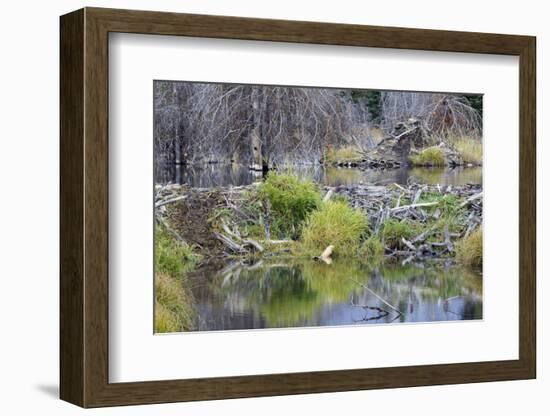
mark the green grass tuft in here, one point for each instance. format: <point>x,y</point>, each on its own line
<point>431,156</point>
<point>393,230</point>
<point>291,199</point>
<point>174,308</point>
<point>335,223</point>
<point>371,251</point>
<point>172,257</point>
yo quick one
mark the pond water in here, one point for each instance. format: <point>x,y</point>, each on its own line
<point>294,293</point>
<point>208,176</point>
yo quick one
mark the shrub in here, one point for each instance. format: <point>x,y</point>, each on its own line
<point>469,250</point>
<point>471,150</point>
<point>393,230</point>
<point>335,223</point>
<point>291,200</point>
<point>372,250</point>
<point>431,156</point>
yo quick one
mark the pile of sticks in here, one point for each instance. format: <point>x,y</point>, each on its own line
<point>385,202</point>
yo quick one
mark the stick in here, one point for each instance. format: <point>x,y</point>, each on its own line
<point>471,199</point>
<point>408,243</point>
<point>404,207</point>
<point>247,241</point>
<point>448,239</point>
<point>170,201</point>
<point>422,236</point>
<point>378,297</point>
<point>254,244</point>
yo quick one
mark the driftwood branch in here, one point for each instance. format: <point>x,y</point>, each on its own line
<point>471,199</point>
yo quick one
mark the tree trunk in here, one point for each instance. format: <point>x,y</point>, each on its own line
<point>255,139</point>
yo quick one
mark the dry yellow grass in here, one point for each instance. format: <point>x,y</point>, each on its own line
<point>173,311</point>
<point>471,150</point>
<point>344,154</point>
<point>469,250</point>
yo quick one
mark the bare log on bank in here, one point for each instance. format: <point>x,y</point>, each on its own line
<point>328,195</point>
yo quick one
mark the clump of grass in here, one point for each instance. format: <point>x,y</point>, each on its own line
<point>165,321</point>
<point>291,199</point>
<point>343,154</point>
<point>469,250</point>
<point>174,305</point>
<point>471,150</point>
<point>431,156</point>
<point>393,231</point>
<point>372,250</point>
<point>174,309</point>
<point>172,257</point>
<point>448,204</point>
<point>337,224</point>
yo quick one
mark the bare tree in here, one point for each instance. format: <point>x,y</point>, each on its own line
<point>443,114</point>
<point>262,126</point>
<point>259,125</point>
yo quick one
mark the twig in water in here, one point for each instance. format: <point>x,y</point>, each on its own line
<point>378,297</point>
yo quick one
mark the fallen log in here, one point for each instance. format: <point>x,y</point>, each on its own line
<point>229,242</point>
<point>471,199</point>
<point>244,241</point>
<point>170,201</point>
<point>419,205</point>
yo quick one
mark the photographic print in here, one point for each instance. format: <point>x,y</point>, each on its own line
<point>289,206</point>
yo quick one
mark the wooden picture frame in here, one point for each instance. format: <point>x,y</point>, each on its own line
<point>84,207</point>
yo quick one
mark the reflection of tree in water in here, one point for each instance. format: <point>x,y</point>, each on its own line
<point>300,293</point>
<point>212,175</point>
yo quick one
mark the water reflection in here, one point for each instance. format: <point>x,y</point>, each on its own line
<point>212,175</point>
<point>308,293</point>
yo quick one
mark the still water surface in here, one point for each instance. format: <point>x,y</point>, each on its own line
<point>294,293</point>
<point>208,176</point>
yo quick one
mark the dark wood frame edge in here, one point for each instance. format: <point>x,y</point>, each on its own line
<point>84,207</point>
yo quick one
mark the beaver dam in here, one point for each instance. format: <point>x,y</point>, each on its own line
<point>289,251</point>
